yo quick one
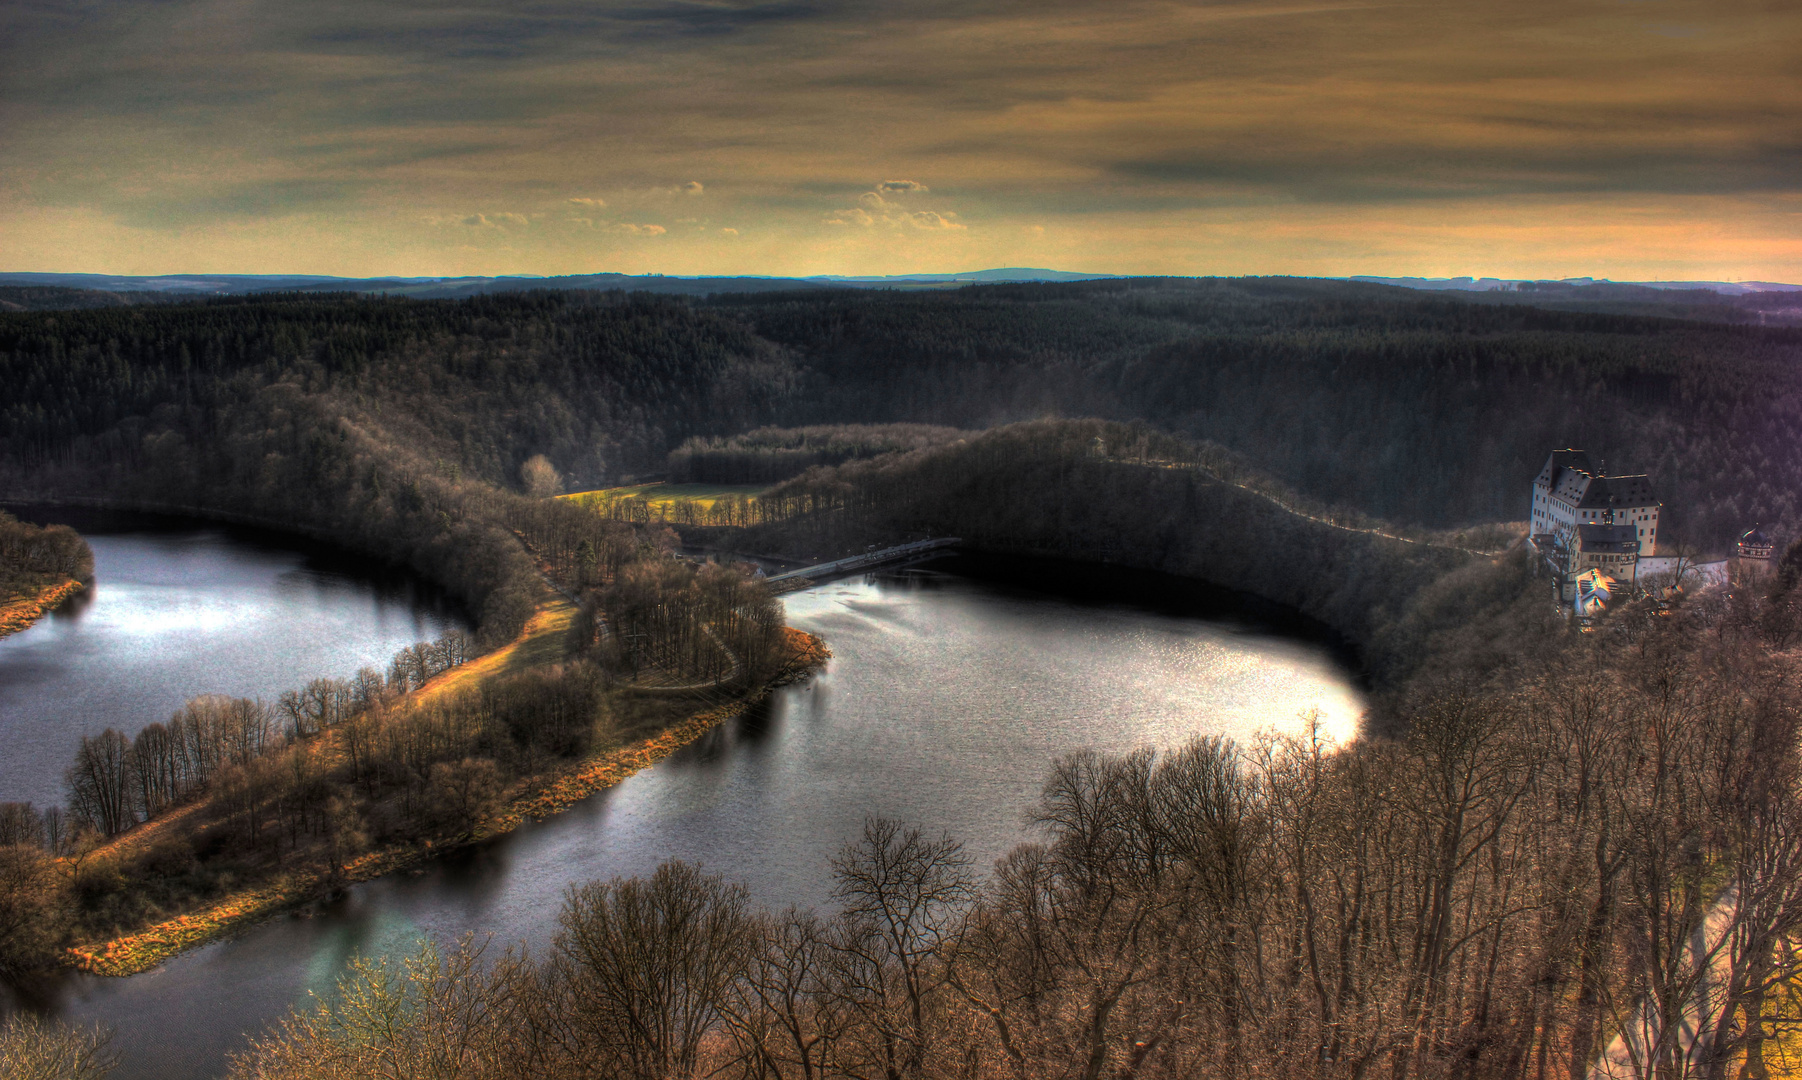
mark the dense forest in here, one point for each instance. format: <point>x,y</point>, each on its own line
<point>1426,410</point>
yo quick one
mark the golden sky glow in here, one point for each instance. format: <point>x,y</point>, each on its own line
<point>1632,139</point>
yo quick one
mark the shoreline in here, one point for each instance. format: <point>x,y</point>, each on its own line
<point>539,797</point>
<point>22,614</point>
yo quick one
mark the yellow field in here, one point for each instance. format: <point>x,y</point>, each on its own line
<point>662,497</point>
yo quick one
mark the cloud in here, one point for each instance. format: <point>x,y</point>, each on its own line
<point>693,187</point>
<point>927,219</point>
<point>639,230</point>
<point>592,204</point>
<point>728,232</point>
<point>496,221</point>
<point>873,210</point>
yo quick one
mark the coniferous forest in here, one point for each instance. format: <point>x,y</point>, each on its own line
<point>1502,874</point>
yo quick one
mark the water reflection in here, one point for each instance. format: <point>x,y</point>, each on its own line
<point>950,692</point>
<point>177,610</point>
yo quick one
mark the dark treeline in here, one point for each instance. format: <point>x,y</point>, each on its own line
<point>1427,410</point>
<point>769,455</point>
<point>1494,894</point>
<point>35,557</point>
<point>375,424</point>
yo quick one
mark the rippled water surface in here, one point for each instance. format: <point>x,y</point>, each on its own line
<point>949,693</point>
<point>179,609</point>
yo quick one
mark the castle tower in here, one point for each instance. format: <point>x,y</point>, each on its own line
<point>1754,544</point>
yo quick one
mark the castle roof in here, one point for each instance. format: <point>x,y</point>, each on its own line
<point>1755,536</point>
<point>1588,490</point>
<point>1618,492</point>
<point>1559,462</point>
<point>1608,539</point>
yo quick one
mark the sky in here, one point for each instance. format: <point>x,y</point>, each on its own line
<point>1628,139</point>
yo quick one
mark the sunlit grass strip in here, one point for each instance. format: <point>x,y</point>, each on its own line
<point>544,630</point>
<point>665,495</point>
<point>133,953</point>
<point>16,615</point>
<point>539,798</point>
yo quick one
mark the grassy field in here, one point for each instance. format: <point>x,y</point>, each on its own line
<point>665,495</point>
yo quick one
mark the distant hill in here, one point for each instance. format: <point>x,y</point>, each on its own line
<point>970,277</point>
<point>196,285</point>
<point>183,286</point>
<point>55,298</point>
<point>1761,302</point>
<point>1487,284</point>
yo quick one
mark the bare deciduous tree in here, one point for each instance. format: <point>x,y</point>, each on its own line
<point>643,969</point>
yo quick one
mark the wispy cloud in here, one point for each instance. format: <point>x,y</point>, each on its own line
<point>501,220</point>
<point>929,219</point>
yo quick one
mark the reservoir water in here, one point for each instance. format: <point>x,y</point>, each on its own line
<point>952,687</point>
<point>178,609</point>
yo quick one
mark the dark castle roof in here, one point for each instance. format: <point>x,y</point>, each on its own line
<point>1560,461</point>
<point>1618,491</point>
<point>1570,476</point>
<point>1608,539</point>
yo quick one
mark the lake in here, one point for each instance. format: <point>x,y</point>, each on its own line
<point>953,686</point>
<point>178,609</point>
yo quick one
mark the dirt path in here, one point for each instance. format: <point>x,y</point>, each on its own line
<point>545,640</point>
<point>1293,512</point>
<point>1642,1044</point>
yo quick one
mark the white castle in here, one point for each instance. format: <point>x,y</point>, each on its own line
<point>1583,519</point>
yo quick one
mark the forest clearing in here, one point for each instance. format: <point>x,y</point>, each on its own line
<point>664,501</point>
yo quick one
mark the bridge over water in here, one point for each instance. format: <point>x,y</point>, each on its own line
<point>794,578</point>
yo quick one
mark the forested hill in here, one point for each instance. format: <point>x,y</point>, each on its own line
<point>1433,411</point>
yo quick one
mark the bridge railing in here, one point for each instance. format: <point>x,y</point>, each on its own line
<point>868,558</point>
